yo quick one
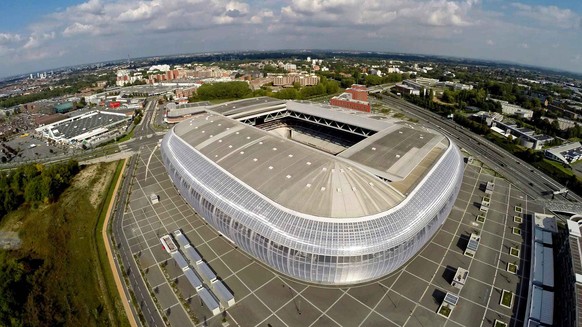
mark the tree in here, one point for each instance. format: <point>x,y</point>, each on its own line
<point>33,192</point>
<point>347,82</point>
<point>331,87</point>
<point>14,289</point>
<point>448,96</point>
<point>11,201</point>
<point>373,80</point>
<point>227,90</point>
<point>287,94</point>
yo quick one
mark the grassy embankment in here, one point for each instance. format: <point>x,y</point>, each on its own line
<point>127,136</point>
<point>73,284</point>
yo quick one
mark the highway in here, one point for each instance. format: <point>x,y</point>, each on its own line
<point>533,182</point>
<point>137,283</point>
<point>144,128</point>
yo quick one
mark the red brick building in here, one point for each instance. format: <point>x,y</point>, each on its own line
<point>358,92</point>
<point>354,98</point>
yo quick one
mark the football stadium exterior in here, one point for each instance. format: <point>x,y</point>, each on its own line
<point>327,219</point>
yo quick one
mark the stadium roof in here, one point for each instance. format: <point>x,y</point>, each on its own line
<point>246,105</point>
<point>309,181</point>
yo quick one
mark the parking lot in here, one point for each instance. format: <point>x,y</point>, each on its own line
<point>31,149</point>
<point>408,297</point>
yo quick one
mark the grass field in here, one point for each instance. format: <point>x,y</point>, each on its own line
<point>73,285</point>
<point>559,166</point>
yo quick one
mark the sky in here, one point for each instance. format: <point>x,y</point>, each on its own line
<point>40,35</point>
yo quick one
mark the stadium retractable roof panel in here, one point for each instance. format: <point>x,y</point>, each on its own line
<point>395,151</point>
<point>350,117</point>
<point>251,105</point>
<point>294,175</point>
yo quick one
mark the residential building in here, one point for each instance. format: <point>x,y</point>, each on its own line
<point>290,79</point>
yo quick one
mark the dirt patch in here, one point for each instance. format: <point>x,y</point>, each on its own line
<point>96,177</point>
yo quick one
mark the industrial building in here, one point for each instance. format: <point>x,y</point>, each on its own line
<point>511,109</point>
<point>318,193</point>
<point>566,154</point>
<point>88,129</point>
<point>527,137</point>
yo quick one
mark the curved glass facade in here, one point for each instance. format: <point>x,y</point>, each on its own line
<point>314,249</point>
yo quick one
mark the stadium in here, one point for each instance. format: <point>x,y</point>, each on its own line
<point>318,193</point>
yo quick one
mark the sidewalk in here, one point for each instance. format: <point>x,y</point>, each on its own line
<point>109,158</point>
<point>116,276</point>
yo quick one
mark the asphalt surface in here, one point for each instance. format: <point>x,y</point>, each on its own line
<point>138,285</point>
<point>533,182</point>
<point>515,170</point>
<point>408,297</point>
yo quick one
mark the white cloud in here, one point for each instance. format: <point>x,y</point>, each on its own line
<point>35,40</point>
<point>77,28</point>
<point>8,38</point>
<point>108,29</point>
<point>262,16</point>
<point>142,11</point>
<point>91,6</point>
<point>552,16</point>
<point>380,12</point>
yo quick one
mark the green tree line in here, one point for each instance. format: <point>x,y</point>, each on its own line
<point>35,183</point>
<point>227,90</point>
<point>240,90</point>
<point>475,97</point>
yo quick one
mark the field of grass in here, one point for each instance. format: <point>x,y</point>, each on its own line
<point>559,166</point>
<point>73,284</point>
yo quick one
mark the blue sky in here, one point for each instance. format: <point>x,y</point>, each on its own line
<point>38,35</point>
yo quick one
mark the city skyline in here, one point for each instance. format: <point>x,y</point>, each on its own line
<point>67,32</point>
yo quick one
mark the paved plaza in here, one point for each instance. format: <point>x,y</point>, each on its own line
<point>408,297</point>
